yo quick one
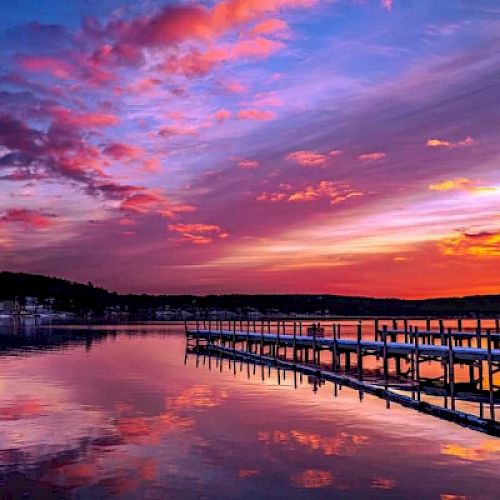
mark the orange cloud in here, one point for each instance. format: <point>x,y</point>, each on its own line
<point>439,143</point>
<point>248,164</point>
<point>199,234</point>
<point>460,183</point>
<point>376,156</point>
<point>308,158</point>
<point>484,244</point>
<point>335,192</point>
<point>448,185</point>
<point>312,478</point>
<point>230,13</point>
<point>256,114</point>
<point>272,197</point>
<point>29,217</point>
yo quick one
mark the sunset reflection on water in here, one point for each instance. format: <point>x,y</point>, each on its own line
<point>125,415</point>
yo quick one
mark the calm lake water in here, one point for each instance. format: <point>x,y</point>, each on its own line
<point>121,411</point>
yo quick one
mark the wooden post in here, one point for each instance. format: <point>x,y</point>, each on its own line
<point>394,324</point>
<point>412,355</point>
<point>496,342</point>
<point>234,335</point>
<point>314,344</point>
<point>478,332</point>
<point>384,338</point>
<point>277,346</point>
<point>428,324</point>
<point>249,349</point>
<point>334,352</point>
<point>294,342</point>
<point>417,362</point>
<point>359,354</point>
<point>451,361</point>
<point>405,323</point>
<point>490,376</point>
<point>262,338</point>
<point>441,331</point>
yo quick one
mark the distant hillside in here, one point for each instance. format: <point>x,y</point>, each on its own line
<point>80,298</point>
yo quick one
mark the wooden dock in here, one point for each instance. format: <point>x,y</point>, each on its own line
<point>405,348</point>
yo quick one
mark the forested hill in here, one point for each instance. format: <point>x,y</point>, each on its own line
<point>78,297</point>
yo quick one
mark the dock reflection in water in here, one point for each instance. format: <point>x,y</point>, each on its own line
<point>117,411</point>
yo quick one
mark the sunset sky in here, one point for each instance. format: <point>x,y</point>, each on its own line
<point>260,146</point>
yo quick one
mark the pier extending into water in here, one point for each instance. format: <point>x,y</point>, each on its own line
<point>432,367</point>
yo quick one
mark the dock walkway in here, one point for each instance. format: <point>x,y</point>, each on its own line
<point>406,349</point>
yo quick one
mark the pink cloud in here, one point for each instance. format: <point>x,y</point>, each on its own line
<point>121,151</point>
<point>39,64</point>
<point>197,63</point>
<point>267,99</point>
<point>127,222</point>
<point>222,115</point>
<point>386,4</point>
<point>91,119</point>
<point>151,165</point>
<point>235,87</point>
<point>31,218</point>
<point>173,25</point>
<point>376,156</point>
<point>153,202</point>
<point>255,47</point>
<point>256,114</point>
<point>270,26</point>
<point>248,164</point>
<point>173,130</point>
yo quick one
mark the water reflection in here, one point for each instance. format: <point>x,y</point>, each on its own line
<point>115,411</point>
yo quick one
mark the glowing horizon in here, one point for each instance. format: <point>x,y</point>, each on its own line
<point>253,146</point>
